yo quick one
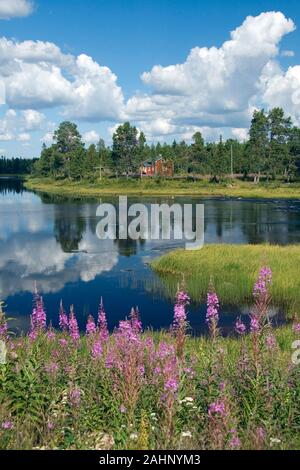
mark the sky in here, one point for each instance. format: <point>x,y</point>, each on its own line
<point>171,67</point>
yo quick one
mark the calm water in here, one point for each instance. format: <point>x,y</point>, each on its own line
<point>53,241</point>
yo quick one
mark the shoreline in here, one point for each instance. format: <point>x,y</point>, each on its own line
<point>162,188</point>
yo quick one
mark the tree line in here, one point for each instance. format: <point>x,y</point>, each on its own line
<point>16,166</point>
<point>272,150</point>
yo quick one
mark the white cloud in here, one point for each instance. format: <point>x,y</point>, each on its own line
<point>91,137</point>
<point>240,133</point>
<point>17,126</point>
<point>14,8</point>
<point>47,138</point>
<point>214,87</point>
<point>33,120</point>
<point>287,53</point>
<point>23,137</point>
<point>38,75</point>
<point>214,90</point>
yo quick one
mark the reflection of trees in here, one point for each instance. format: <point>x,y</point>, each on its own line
<point>69,226</point>
<point>11,185</point>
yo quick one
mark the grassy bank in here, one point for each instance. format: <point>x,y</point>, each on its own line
<point>164,188</point>
<point>233,269</point>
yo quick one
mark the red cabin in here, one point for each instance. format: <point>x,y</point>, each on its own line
<point>160,167</point>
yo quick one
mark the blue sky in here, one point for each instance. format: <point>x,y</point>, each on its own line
<point>128,38</point>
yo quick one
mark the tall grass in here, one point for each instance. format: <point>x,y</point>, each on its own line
<point>233,269</point>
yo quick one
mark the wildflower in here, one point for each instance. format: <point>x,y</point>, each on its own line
<point>102,322</point>
<point>270,342</point>
<point>135,321</point>
<point>123,409</point>
<point>171,385</point>
<point>63,318</point>
<point>63,342</point>
<point>263,282</point>
<point>90,326</point>
<point>75,397</point>
<point>234,442</point>
<point>212,313</point>
<point>296,327</point>
<point>217,408</point>
<point>73,326</point>
<point>182,301</point>
<point>240,327</point>
<point>7,425</point>
<point>133,436</point>
<point>50,425</point>
<point>254,324</point>
<point>97,350</point>
<point>51,335</point>
<point>51,368</point>
<point>38,316</point>
<point>180,320</point>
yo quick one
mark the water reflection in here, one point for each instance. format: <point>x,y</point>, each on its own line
<point>53,241</point>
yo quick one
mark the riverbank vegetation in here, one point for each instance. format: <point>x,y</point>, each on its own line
<point>162,187</point>
<point>270,151</point>
<point>233,269</point>
<point>141,390</point>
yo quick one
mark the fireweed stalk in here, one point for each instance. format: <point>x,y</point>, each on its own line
<point>258,316</point>
<point>180,323</point>
<point>212,313</point>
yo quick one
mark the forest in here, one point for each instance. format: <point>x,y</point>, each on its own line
<point>272,151</point>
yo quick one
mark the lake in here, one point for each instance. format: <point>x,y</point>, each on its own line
<point>53,241</point>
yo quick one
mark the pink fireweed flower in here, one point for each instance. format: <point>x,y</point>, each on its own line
<point>102,322</point>
<point>296,327</point>
<point>212,312</point>
<point>51,368</point>
<point>63,318</point>
<point>254,324</point>
<point>90,326</point>
<point>38,317</point>
<point>171,385</point>
<point>73,326</point>
<point>234,442</point>
<point>217,409</point>
<point>7,425</point>
<point>213,305</point>
<point>270,342</point>
<point>263,282</point>
<point>180,320</point>
<point>51,335</point>
<point>135,320</point>
<point>3,330</point>
<point>63,342</point>
<point>97,349</point>
<point>75,397</point>
<point>240,327</point>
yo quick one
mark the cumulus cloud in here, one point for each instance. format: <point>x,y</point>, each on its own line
<point>38,75</point>
<point>214,87</point>
<point>91,137</point>
<point>17,126</point>
<point>15,8</point>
